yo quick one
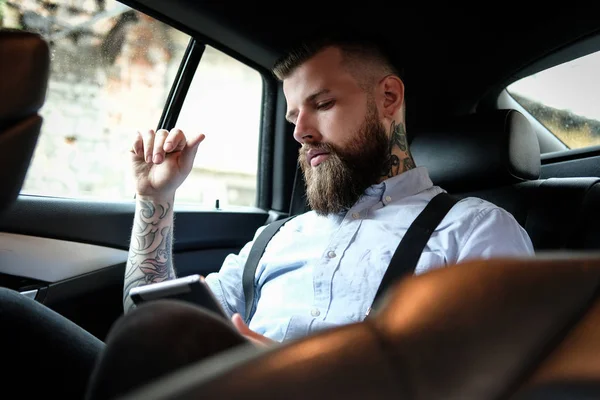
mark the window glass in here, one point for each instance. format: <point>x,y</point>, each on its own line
<point>224,103</point>
<point>565,100</point>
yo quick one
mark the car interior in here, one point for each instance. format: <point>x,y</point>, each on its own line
<point>487,329</point>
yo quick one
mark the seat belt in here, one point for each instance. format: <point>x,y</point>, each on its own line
<point>297,206</point>
<point>256,252</point>
<point>407,254</point>
<point>404,261</point>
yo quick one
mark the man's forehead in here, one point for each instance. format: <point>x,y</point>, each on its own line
<point>321,71</point>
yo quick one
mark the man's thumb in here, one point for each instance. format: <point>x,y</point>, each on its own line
<point>239,324</point>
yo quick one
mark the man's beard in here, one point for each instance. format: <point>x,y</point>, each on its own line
<point>338,182</point>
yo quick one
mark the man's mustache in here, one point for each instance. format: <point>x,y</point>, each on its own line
<point>324,147</point>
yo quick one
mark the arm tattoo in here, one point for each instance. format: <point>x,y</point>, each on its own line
<point>150,253</point>
<point>394,165</point>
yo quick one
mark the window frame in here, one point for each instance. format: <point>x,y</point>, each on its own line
<point>181,84</point>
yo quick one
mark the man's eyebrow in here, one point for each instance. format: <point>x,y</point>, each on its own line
<point>309,99</point>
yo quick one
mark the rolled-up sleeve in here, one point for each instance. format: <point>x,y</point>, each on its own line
<point>226,284</point>
<point>495,233</point>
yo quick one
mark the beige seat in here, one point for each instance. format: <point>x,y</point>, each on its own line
<point>24,69</point>
<point>479,330</point>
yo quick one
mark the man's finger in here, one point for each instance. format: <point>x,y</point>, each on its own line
<point>189,153</point>
<point>158,154</point>
<point>175,141</point>
<point>148,145</point>
<point>249,334</point>
<point>137,147</point>
<point>240,325</point>
<point>196,140</point>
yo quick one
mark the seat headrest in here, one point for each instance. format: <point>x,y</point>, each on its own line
<point>24,67</point>
<point>24,71</point>
<point>479,151</point>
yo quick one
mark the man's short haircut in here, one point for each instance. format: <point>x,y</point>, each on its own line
<point>365,58</point>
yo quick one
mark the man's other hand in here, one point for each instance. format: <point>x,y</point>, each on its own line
<point>254,337</point>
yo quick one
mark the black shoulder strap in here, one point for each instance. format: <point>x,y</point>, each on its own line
<point>407,254</point>
<point>256,252</point>
<point>404,261</point>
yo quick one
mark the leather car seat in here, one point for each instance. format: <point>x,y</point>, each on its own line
<point>494,329</point>
<point>24,68</point>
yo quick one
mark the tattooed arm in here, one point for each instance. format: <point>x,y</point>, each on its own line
<point>150,253</point>
<point>160,161</point>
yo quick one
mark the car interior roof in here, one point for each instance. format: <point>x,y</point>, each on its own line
<point>453,56</point>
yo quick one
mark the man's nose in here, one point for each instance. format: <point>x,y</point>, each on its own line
<point>306,131</point>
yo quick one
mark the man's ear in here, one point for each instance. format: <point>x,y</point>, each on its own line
<point>391,90</point>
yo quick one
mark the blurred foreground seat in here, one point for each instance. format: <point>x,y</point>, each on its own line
<point>507,328</point>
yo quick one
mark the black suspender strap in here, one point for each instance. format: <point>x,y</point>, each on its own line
<point>297,207</point>
<point>407,254</point>
<point>404,260</point>
<point>256,252</point>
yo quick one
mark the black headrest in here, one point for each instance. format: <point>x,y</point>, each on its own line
<point>24,68</point>
<point>479,151</point>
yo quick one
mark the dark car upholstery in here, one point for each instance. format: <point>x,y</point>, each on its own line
<point>495,156</point>
<point>24,57</point>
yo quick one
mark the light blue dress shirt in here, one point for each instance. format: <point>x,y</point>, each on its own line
<point>318,272</point>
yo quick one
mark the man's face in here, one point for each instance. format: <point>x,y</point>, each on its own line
<point>344,143</point>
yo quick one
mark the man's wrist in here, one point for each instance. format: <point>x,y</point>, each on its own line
<point>157,198</point>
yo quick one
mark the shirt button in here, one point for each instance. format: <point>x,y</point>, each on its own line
<point>315,312</point>
<point>388,198</point>
<point>356,215</point>
<point>331,254</point>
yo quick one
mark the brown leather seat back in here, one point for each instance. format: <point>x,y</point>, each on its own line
<point>572,369</point>
<point>24,69</point>
<point>479,330</point>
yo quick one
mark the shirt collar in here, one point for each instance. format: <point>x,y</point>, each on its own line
<point>397,187</point>
<point>402,185</point>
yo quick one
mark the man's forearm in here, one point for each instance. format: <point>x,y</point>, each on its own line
<point>150,250</point>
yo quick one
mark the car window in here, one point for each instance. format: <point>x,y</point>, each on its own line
<point>224,103</point>
<point>565,100</point>
<point>112,68</point>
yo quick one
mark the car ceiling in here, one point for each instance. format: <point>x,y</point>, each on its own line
<point>453,56</point>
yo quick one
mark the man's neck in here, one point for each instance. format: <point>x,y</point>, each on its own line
<point>400,160</point>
